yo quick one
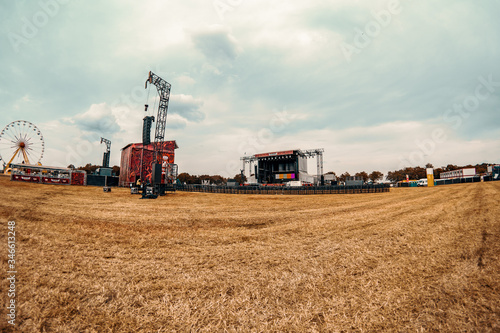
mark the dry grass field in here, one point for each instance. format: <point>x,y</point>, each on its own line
<point>412,260</point>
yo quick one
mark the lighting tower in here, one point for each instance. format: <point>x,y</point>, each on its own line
<point>105,158</point>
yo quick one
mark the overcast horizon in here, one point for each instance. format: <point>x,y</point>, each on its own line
<point>379,85</point>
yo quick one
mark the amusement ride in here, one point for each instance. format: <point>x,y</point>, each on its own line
<point>21,142</point>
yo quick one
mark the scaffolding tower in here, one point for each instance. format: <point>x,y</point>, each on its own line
<point>318,153</point>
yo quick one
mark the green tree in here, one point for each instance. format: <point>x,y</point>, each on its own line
<point>240,179</point>
<point>184,178</point>
<point>343,176</point>
<point>218,180</point>
<point>376,176</point>
<point>437,172</point>
<point>89,168</point>
<point>396,175</point>
<point>451,167</point>
<point>363,175</point>
<point>205,178</point>
<point>481,168</point>
<point>192,179</point>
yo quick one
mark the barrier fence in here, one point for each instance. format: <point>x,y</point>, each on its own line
<point>475,179</point>
<point>305,190</point>
<point>97,180</point>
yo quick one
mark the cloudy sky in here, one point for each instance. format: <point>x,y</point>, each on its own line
<point>378,84</point>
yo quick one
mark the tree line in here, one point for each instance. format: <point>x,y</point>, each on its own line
<point>419,172</point>
<point>186,178</point>
<point>91,168</point>
<point>373,176</point>
<point>413,173</point>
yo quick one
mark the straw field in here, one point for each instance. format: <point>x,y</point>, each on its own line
<point>412,260</point>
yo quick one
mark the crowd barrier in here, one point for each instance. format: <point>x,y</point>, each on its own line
<point>305,190</point>
<point>97,180</point>
<point>475,179</point>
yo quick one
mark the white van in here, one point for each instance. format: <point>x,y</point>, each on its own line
<point>422,182</point>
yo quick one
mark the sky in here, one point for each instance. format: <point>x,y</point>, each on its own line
<point>380,85</point>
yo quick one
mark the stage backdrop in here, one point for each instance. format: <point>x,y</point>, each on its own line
<point>137,155</point>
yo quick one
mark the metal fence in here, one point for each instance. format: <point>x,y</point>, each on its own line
<point>474,179</point>
<point>97,180</point>
<point>304,190</point>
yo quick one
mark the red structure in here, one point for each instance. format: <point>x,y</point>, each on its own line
<point>47,175</point>
<point>138,158</point>
<point>78,178</point>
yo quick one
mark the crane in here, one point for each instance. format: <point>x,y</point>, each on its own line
<point>163,88</point>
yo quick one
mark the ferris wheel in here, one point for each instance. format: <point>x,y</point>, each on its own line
<point>21,142</point>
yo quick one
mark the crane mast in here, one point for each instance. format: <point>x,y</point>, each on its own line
<point>163,88</point>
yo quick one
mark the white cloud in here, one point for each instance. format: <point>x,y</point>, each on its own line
<point>66,143</point>
<point>185,80</point>
<point>98,119</point>
<point>187,107</point>
<point>216,43</point>
<point>175,122</point>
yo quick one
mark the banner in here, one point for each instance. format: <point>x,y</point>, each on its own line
<point>47,180</point>
<point>21,178</point>
<point>430,177</point>
<point>285,176</point>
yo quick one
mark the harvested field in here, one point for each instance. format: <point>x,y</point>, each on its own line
<point>414,259</point>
